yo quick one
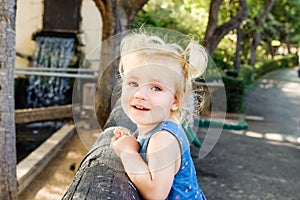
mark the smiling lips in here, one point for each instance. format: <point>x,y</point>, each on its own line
<point>140,108</point>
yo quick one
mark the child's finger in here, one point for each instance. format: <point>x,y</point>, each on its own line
<point>113,139</point>
<point>125,132</point>
<point>117,133</point>
<point>120,132</point>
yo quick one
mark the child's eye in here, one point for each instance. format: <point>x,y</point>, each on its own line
<point>156,88</point>
<point>133,84</point>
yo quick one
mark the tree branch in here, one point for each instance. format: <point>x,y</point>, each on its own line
<point>216,33</point>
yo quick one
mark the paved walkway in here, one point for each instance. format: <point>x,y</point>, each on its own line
<point>262,162</point>
<point>277,99</point>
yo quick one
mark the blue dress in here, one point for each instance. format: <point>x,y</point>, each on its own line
<point>185,185</point>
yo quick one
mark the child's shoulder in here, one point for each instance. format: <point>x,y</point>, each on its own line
<point>164,142</point>
<point>176,130</point>
<point>170,126</point>
<point>173,127</point>
<point>162,135</point>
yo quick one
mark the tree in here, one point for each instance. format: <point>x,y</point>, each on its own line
<point>8,180</point>
<point>214,32</point>
<point>117,17</point>
<point>259,19</point>
<point>185,16</point>
<point>287,15</point>
<point>237,61</point>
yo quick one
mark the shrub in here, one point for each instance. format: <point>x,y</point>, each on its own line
<point>221,61</point>
<point>235,93</point>
<point>247,74</point>
<point>280,62</point>
<point>235,87</point>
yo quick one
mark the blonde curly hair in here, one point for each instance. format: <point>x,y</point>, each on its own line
<point>192,60</point>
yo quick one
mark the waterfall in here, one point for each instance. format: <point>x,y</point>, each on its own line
<point>50,52</point>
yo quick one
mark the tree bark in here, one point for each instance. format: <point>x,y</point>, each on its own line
<point>215,33</point>
<point>8,180</point>
<point>101,174</point>
<point>288,44</point>
<point>237,62</point>
<point>254,43</point>
<point>117,17</point>
<point>259,20</point>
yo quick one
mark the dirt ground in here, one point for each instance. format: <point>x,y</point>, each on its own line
<point>262,162</point>
<point>52,183</point>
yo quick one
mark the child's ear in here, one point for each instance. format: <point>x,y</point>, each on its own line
<point>175,104</point>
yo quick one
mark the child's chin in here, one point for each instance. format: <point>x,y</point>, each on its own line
<point>141,122</point>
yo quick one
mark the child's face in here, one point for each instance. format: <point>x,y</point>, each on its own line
<point>148,92</point>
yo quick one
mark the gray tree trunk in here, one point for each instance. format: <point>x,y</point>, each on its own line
<point>214,32</point>
<point>259,20</point>
<point>117,17</point>
<point>237,61</point>
<point>8,180</point>
<point>101,174</point>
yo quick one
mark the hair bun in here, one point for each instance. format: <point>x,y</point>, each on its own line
<point>197,57</point>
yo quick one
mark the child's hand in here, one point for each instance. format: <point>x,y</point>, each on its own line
<point>119,133</point>
<point>123,142</point>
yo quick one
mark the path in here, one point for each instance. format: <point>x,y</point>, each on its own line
<point>52,183</point>
<point>277,99</point>
<point>262,162</point>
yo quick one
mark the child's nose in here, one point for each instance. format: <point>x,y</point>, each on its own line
<point>141,92</point>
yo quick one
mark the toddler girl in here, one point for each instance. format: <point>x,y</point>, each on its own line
<point>156,89</point>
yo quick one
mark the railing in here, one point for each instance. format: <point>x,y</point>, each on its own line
<point>82,73</point>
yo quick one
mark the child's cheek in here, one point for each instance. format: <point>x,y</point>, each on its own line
<point>128,92</point>
<point>125,100</point>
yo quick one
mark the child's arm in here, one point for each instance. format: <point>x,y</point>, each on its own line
<point>154,180</point>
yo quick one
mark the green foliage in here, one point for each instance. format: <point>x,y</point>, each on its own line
<point>191,17</point>
<point>144,19</point>
<point>255,6</point>
<point>287,13</point>
<point>279,62</point>
<point>236,87</point>
<point>282,24</point>
<point>223,59</point>
<point>250,74</point>
<point>235,93</point>
<point>185,16</point>
<point>247,74</point>
<point>228,9</point>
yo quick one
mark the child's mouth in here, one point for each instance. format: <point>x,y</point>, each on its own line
<point>141,108</point>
